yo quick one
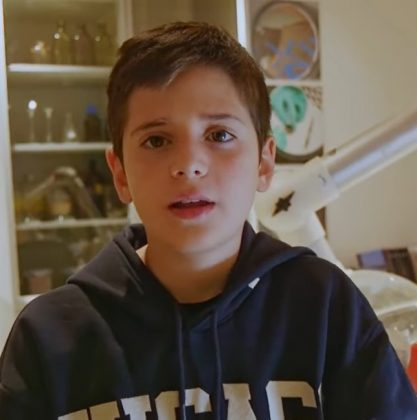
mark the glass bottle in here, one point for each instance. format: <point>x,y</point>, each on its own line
<point>95,184</point>
<point>31,109</point>
<point>103,46</point>
<point>82,46</point>
<point>61,45</point>
<point>92,124</point>
<point>60,204</point>
<point>69,132</point>
<point>48,124</point>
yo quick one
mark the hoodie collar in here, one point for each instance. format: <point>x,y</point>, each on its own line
<point>117,273</point>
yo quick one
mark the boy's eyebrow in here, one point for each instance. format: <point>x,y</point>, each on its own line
<point>149,124</point>
<point>163,121</point>
<point>224,116</point>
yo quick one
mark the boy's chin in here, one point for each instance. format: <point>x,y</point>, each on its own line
<point>192,244</point>
<point>209,242</point>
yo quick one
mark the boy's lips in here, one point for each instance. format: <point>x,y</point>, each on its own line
<point>191,206</point>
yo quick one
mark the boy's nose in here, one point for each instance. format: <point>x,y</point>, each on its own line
<point>190,174</point>
<point>189,165</point>
<point>194,170</point>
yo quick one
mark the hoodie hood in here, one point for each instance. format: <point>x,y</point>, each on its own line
<point>117,273</point>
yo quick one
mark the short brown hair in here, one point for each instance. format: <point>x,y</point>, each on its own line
<point>157,56</point>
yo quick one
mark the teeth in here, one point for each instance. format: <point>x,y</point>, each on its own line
<point>190,201</point>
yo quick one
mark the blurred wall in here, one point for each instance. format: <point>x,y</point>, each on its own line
<point>369,52</point>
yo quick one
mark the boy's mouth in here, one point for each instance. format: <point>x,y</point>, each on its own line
<point>190,203</point>
<point>189,208</point>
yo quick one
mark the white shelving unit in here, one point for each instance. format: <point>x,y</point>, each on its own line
<point>65,88</point>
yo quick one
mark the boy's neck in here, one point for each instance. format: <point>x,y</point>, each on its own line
<point>191,278</point>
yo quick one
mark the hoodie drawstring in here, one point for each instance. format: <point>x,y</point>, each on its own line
<point>181,368</point>
<point>218,395</point>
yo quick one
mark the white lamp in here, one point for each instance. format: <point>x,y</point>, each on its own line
<point>288,209</point>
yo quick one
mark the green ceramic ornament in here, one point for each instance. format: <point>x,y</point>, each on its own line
<point>290,105</point>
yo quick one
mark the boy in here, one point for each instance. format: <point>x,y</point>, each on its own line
<point>192,315</point>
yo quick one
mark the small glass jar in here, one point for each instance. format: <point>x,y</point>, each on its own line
<point>39,53</point>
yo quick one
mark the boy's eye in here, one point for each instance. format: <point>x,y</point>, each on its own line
<point>155,142</point>
<point>221,136</point>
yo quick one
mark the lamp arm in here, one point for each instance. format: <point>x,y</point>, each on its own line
<point>373,150</point>
<point>288,207</point>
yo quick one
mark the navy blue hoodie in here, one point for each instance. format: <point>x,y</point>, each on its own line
<point>290,338</point>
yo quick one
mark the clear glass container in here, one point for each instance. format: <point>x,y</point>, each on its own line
<point>61,45</point>
<point>48,124</point>
<point>69,132</point>
<point>92,124</point>
<point>31,110</point>
<point>83,46</point>
<point>104,48</point>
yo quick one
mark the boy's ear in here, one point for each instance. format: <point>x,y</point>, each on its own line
<point>266,164</point>
<point>119,176</point>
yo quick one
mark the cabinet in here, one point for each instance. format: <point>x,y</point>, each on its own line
<point>58,203</point>
<point>284,38</point>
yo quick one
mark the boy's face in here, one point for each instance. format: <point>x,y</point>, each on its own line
<point>191,161</point>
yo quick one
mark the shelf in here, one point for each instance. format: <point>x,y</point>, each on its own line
<point>71,224</point>
<point>66,75</point>
<point>49,9</point>
<point>60,147</point>
<point>300,83</point>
